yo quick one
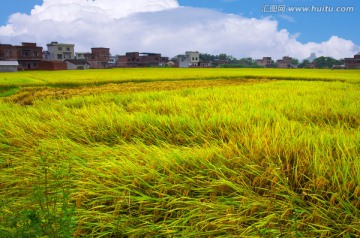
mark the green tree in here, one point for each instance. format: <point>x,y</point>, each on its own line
<point>325,62</point>
<point>304,64</point>
<point>295,61</point>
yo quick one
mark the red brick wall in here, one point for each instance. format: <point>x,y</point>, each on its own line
<point>8,52</point>
<point>52,65</point>
<point>102,54</point>
<point>35,52</point>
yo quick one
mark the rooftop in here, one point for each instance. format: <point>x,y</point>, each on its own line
<point>149,54</point>
<point>55,43</point>
<point>9,63</point>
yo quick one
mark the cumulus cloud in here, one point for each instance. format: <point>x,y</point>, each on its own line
<point>161,26</point>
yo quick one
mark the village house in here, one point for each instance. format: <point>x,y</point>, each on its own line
<point>112,61</point>
<point>9,66</point>
<point>205,64</point>
<point>285,63</point>
<point>353,63</point>
<point>265,62</point>
<point>7,52</point>
<point>28,55</point>
<point>80,55</point>
<point>136,59</point>
<point>59,51</point>
<point>98,58</point>
<point>190,59</point>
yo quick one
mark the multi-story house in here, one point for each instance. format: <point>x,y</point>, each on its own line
<point>265,62</point>
<point>190,59</point>
<point>98,58</point>
<point>113,60</point>
<point>285,63</point>
<point>59,51</point>
<point>28,55</point>
<point>80,55</point>
<point>7,52</point>
<point>353,63</point>
<point>136,59</point>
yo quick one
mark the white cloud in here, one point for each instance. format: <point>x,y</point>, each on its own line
<point>161,26</point>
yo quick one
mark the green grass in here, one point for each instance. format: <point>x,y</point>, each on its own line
<point>270,158</point>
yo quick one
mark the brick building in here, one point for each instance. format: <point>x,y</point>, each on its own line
<point>136,59</point>
<point>265,62</point>
<point>353,63</point>
<point>285,63</point>
<point>98,58</point>
<point>7,52</point>
<point>27,54</point>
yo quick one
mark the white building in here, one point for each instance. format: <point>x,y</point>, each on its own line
<point>190,59</point>
<point>112,61</point>
<point>8,66</point>
<point>59,51</point>
<point>80,55</point>
<point>77,64</point>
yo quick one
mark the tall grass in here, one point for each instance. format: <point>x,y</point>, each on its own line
<point>275,159</point>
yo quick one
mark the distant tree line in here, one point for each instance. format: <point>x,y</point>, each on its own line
<point>322,63</point>
<point>229,61</point>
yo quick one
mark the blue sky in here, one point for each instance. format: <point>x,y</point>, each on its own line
<point>9,7</point>
<point>310,26</point>
<point>283,32</point>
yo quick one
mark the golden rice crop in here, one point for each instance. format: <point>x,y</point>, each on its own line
<point>268,158</point>
<point>98,77</point>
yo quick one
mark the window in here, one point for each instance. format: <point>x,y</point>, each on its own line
<point>68,49</point>
<point>193,58</point>
<point>35,65</point>
<point>25,53</point>
<point>59,56</point>
<point>60,48</point>
<point>67,56</point>
<point>35,54</point>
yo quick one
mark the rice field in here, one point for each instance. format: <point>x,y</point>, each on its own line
<point>70,78</point>
<point>180,153</point>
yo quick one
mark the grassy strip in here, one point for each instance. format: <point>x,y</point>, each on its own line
<point>8,91</point>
